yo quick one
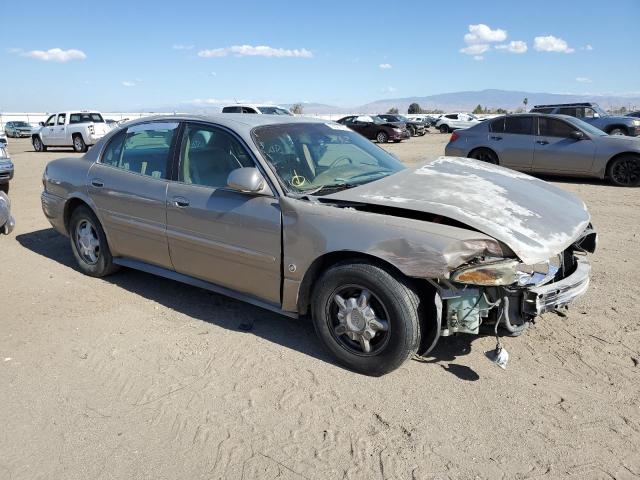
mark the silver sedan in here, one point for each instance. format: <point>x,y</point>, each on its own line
<point>550,144</point>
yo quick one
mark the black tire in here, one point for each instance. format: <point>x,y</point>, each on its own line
<point>618,131</point>
<point>382,137</point>
<point>103,264</point>
<point>78,144</point>
<point>392,300</point>
<point>4,187</point>
<point>397,141</point>
<point>484,155</point>
<point>38,145</point>
<point>444,129</point>
<point>624,171</point>
<point>412,130</point>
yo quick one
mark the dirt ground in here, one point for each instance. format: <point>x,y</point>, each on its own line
<point>136,377</point>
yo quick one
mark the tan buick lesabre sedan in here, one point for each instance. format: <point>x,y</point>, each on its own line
<point>306,217</point>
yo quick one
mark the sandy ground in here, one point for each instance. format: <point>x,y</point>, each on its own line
<point>136,377</point>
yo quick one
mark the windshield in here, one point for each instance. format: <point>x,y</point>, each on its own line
<point>599,110</point>
<point>21,124</point>
<point>587,127</point>
<point>318,158</point>
<point>274,111</point>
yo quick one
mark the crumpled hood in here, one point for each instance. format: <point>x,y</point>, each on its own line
<point>535,219</point>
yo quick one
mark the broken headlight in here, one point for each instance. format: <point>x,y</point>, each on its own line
<point>505,272</point>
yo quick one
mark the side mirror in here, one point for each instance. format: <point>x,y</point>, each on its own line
<point>247,180</point>
<point>596,115</point>
<point>577,135</point>
<point>41,124</point>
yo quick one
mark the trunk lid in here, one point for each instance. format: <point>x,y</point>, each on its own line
<point>535,219</point>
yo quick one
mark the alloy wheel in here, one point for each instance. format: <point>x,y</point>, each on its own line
<point>87,242</point>
<point>626,171</point>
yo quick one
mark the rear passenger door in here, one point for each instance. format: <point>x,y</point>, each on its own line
<point>512,139</point>
<point>216,234</point>
<point>129,188</point>
<point>557,152</point>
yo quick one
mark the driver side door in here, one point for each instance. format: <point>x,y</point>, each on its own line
<point>47,133</point>
<point>217,234</point>
<point>556,152</point>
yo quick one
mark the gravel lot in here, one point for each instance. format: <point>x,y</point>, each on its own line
<point>138,377</point>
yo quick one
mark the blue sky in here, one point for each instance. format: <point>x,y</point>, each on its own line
<point>141,54</point>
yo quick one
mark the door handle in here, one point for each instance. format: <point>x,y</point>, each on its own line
<point>542,142</point>
<point>180,202</point>
<point>96,182</point>
<point>495,138</point>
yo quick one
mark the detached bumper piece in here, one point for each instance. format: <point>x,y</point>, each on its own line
<point>552,296</point>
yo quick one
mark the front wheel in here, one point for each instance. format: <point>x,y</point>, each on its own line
<point>89,244</point>
<point>382,137</point>
<point>366,317</point>
<point>444,129</point>
<point>38,146</point>
<point>624,171</point>
<point>78,144</point>
<point>618,131</point>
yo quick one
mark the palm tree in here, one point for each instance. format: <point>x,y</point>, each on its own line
<point>525,102</point>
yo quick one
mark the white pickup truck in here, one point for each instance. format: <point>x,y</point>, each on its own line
<point>77,129</point>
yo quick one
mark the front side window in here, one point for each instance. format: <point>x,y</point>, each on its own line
<point>61,118</point>
<point>317,158</point>
<point>51,121</point>
<point>518,125</point>
<point>553,127</point>
<point>248,110</point>
<point>142,149</point>
<point>209,155</point>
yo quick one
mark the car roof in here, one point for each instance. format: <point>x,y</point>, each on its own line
<point>577,104</point>
<point>254,105</point>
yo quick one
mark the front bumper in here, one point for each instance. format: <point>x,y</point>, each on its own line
<point>552,296</point>
<point>400,135</point>
<point>6,174</point>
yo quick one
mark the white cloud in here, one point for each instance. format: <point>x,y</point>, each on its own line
<point>213,74</point>
<point>385,66</point>
<point>475,49</point>
<point>388,90</point>
<point>587,47</point>
<point>55,55</point>
<point>481,33</point>
<point>255,51</point>
<point>128,83</point>
<point>182,47</point>
<point>515,46</point>
<point>478,57</point>
<point>583,80</point>
<point>550,43</point>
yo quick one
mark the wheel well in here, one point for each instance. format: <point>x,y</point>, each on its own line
<point>69,208</point>
<point>77,134</point>
<point>623,154</point>
<point>328,260</point>
<point>484,148</point>
<point>613,127</point>
<point>34,136</point>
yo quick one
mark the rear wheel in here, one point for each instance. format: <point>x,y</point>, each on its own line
<point>484,155</point>
<point>89,244</point>
<point>444,129</point>
<point>78,144</point>
<point>382,137</point>
<point>38,146</point>
<point>366,317</point>
<point>412,130</point>
<point>624,171</point>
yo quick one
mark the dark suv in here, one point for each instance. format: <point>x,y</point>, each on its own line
<point>592,113</point>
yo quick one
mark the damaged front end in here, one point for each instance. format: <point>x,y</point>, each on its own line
<point>511,294</point>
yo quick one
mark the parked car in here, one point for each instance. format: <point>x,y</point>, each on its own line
<point>553,144</point>
<point>77,129</point>
<point>414,127</point>
<point>17,129</point>
<point>594,115</point>
<point>258,109</point>
<point>6,169</point>
<point>7,222</point>
<point>303,216</point>
<point>376,128</point>
<point>3,140</point>
<point>634,114</point>
<point>452,121</point>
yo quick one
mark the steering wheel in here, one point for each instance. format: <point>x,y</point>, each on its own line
<point>338,160</point>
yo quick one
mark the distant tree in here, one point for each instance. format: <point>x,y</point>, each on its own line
<point>297,109</point>
<point>478,109</point>
<point>414,108</point>
<point>623,109</point>
<point>393,110</point>
<point>501,111</point>
<point>525,102</point>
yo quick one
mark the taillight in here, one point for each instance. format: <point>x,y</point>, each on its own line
<point>454,137</point>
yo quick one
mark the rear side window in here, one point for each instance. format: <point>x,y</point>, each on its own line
<point>248,110</point>
<point>542,110</point>
<point>518,125</point>
<point>142,149</point>
<point>453,116</point>
<point>571,111</point>
<point>497,125</point>
<point>61,118</point>
<point>231,110</point>
<point>552,127</point>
